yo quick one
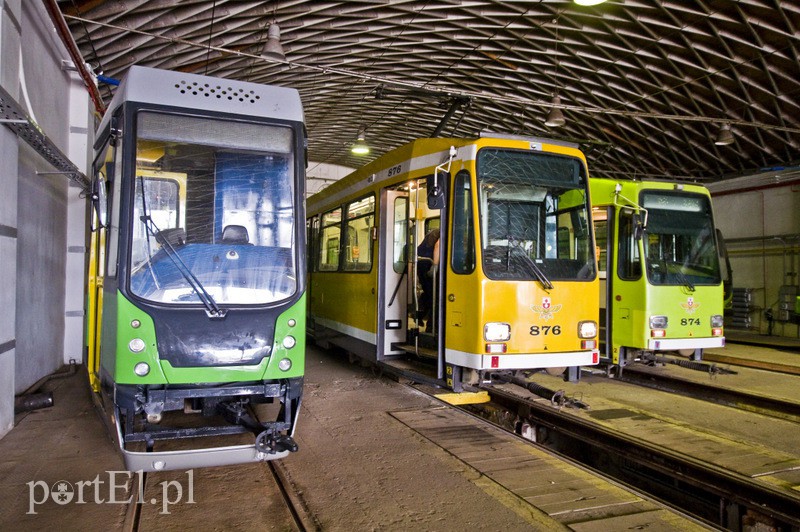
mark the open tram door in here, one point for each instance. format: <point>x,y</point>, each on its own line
<point>618,234</point>
<point>394,272</point>
<point>403,317</point>
<point>410,310</point>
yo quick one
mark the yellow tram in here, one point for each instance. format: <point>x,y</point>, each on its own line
<point>516,284</point>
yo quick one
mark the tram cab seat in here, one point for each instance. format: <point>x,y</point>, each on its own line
<point>235,234</point>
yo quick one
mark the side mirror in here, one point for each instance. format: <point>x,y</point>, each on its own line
<point>727,272</point>
<point>638,227</point>
<point>100,201</point>
<point>436,189</point>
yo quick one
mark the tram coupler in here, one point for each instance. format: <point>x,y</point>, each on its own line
<point>712,369</point>
<point>648,358</point>
<point>269,442</point>
<point>557,398</point>
<point>236,414</point>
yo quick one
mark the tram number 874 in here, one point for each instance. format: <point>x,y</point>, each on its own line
<point>690,321</point>
<point>536,330</point>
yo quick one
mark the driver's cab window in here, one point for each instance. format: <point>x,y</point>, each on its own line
<point>160,194</point>
<point>629,260</point>
<point>105,200</point>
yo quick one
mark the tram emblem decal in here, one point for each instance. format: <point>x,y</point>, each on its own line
<point>690,306</point>
<point>547,309</point>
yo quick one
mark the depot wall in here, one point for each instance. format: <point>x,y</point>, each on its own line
<point>42,242</point>
<point>762,228</point>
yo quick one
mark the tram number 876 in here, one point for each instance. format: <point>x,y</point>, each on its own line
<point>536,330</point>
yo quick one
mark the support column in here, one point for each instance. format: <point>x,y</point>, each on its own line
<point>81,128</point>
<point>9,170</point>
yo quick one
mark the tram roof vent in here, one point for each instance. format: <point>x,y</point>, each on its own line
<point>219,91</point>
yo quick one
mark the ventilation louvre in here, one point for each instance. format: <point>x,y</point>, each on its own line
<point>218,91</point>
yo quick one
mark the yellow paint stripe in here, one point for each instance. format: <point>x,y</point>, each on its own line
<point>464,398</point>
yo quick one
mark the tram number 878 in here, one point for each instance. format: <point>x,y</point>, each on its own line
<point>536,330</point>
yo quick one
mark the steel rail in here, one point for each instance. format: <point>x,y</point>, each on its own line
<point>728,486</point>
<point>755,364</point>
<point>740,399</point>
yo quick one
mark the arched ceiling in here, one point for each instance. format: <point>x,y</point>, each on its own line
<point>644,84</point>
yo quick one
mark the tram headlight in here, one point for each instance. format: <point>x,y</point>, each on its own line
<point>289,342</point>
<point>658,322</point>
<point>141,369</point>
<point>496,332</point>
<point>716,321</point>
<point>587,329</point>
<point>136,345</point>
<point>285,364</point>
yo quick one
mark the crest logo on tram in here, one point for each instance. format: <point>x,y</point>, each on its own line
<point>690,306</point>
<point>547,309</point>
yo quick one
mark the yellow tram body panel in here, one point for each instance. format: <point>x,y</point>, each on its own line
<point>540,322</point>
<point>544,321</point>
<point>346,302</point>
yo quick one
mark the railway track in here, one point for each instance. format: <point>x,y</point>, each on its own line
<point>736,398</point>
<point>714,494</point>
<point>142,505</point>
<point>755,364</point>
<point>302,517</point>
<point>719,496</point>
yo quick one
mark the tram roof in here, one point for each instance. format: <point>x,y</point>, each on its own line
<point>193,91</point>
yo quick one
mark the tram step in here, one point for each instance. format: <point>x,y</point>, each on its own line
<point>415,350</point>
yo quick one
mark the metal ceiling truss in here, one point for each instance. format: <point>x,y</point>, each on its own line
<point>644,84</point>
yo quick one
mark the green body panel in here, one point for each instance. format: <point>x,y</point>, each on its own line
<point>639,300</point>
<point>108,329</point>
<point>162,372</point>
<point>632,302</point>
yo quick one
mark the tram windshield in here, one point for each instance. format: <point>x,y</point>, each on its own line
<point>213,219</point>
<point>679,240</point>
<point>534,216</point>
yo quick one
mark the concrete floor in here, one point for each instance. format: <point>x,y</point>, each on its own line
<point>358,467</point>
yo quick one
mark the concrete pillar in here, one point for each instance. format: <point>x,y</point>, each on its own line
<point>10,11</point>
<point>81,128</point>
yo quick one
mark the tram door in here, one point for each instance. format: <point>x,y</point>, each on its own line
<point>620,270</point>
<point>603,218</point>
<point>395,272</point>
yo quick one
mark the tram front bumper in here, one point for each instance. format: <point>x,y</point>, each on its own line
<point>483,361</point>
<point>674,344</point>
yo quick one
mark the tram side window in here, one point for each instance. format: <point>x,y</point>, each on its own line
<point>400,228</point>
<point>630,264</point>
<point>312,230</point>
<point>330,236</point>
<point>463,245</point>
<point>601,236</point>
<point>358,241</point>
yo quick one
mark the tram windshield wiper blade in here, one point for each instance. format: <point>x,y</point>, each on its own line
<point>212,309</point>
<point>684,280</point>
<point>535,268</point>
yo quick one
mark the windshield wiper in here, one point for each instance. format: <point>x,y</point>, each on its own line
<point>684,280</point>
<point>535,268</point>
<point>212,309</point>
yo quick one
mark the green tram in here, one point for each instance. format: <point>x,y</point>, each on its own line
<point>196,279</point>
<point>659,257</point>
